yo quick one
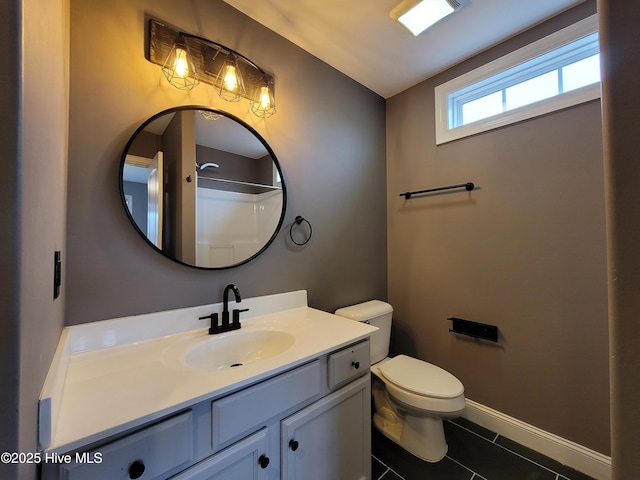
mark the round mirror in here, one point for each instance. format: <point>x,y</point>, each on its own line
<point>202,187</point>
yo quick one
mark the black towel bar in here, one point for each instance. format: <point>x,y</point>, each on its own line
<point>468,186</point>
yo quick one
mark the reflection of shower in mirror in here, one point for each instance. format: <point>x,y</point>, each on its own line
<point>209,164</point>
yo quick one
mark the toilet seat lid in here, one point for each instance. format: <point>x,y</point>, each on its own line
<point>421,377</point>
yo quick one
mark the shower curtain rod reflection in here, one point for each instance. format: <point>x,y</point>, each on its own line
<point>468,186</point>
<point>237,182</point>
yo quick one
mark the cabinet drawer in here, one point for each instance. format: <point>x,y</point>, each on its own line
<point>241,413</point>
<point>153,453</point>
<point>348,363</point>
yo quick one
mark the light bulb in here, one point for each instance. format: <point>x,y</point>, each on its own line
<point>231,84</point>
<point>230,78</point>
<point>181,63</point>
<point>263,102</point>
<point>265,98</point>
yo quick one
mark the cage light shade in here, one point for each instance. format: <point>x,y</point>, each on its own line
<point>418,15</point>
<point>179,69</point>
<point>210,115</point>
<point>263,103</point>
<point>231,83</point>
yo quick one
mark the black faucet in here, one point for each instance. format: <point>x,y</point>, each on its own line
<point>226,326</point>
<point>225,311</point>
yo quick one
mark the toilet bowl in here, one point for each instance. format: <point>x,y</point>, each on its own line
<point>410,396</point>
<point>420,395</point>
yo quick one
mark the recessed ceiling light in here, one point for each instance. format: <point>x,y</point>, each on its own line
<point>418,15</point>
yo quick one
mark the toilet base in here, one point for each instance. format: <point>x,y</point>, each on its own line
<point>421,436</point>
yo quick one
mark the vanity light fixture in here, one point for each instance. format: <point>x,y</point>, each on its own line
<point>187,60</point>
<point>418,15</point>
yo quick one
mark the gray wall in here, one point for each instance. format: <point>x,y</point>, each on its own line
<point>328,134</point>
<point>620,39</point>
<point>524,251</point>
<point>10,238</point>
<point>45,100</point>
<point>33,143</point>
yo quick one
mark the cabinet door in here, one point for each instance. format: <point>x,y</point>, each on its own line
<point>330,439</point>
<point>244,460</point>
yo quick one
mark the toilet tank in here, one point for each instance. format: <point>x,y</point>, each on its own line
<point>379,315</point>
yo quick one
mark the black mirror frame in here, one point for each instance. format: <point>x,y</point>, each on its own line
<point>231,117</point>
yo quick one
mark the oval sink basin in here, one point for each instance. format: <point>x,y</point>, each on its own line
<point>238,348</point>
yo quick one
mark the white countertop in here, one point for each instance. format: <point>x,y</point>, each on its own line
<point>141,376</point>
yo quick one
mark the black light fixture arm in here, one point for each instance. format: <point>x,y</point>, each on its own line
<point>222,49</point>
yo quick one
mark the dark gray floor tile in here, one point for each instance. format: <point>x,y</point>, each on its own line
<point>488,459</point>
<point>411,467</point>
<point>475,428</point>
<point>377,468</point>
<point>543,460</point>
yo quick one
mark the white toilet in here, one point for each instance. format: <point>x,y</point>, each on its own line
<point>411,397</point>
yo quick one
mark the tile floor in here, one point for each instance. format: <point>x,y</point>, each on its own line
<point>475,453</point>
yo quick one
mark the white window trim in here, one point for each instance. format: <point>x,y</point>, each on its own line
<point>555,40</point>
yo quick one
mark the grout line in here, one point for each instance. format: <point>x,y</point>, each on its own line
<point>385,466</point>
<point>496,438</point>
<point>507,449</point>
<point>473,474</point>
<point>389,469</point>
<point>477,476</point>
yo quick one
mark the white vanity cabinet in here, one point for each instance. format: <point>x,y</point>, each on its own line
<point>309,422</point>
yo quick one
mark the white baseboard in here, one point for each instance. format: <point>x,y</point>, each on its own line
<point>564,451</point>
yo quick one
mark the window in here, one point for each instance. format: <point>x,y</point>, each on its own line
<point>555,72</point>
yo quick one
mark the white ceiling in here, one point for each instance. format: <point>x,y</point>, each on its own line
<point>229,136</point>
<point>359,38</point>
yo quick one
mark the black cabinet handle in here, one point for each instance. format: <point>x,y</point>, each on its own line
<point>356,365</point>
<point>293,444</point>
<point>136,469</point>
<point>263,461</point>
